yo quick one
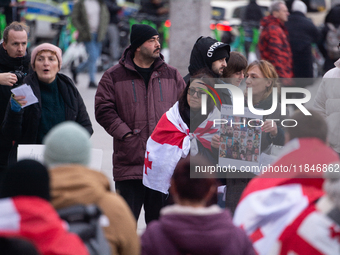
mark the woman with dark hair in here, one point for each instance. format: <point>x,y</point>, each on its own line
<point>234,71</point>
<point>190,226</point>
<point>189,106</point>
<point>181,130</point>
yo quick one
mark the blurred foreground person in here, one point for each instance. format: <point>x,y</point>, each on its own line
<point>58,101</point>
<point>17,246</point>
<point>278,199</point>
<point>189,226</point>
<point>26,211</point>
<point>68,153</point>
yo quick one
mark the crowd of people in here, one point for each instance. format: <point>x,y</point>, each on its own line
<point>163,128</point>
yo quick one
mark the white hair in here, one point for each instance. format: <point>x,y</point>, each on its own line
<point>276,6</point>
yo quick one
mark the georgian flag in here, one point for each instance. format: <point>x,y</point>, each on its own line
<point>269,206</point>
<point>171,141</point>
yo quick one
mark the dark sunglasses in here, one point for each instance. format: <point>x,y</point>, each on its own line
<point>192,91</point>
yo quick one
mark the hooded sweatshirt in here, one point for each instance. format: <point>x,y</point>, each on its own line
<point>188,230</point>
<point>203,54</point>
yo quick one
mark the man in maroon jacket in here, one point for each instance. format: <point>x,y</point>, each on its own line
<point>131,98</point>
<point>273,43</point>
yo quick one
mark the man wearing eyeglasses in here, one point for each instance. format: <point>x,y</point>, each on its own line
<point>210,54</point>
<point>131,98</point>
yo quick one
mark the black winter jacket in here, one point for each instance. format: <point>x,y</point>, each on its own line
<point>22,127</point>
<point>8,64</point>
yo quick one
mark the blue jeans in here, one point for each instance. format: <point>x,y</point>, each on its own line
<point>93,49</point>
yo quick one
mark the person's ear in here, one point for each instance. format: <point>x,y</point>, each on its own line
<point>269,83</point>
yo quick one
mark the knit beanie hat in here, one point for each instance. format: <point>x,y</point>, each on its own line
<point>50,47</point>
<point>25,178</point>
<point>299,6</point>
<point>67,143</point>
<point>140,34</point>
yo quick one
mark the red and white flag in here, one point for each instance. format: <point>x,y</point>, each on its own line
<point>269,205</point>
<point>171,141</point>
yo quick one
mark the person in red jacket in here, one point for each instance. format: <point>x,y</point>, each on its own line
<point>26,211</point>
<point>273,43</point>
<point>131,98</point>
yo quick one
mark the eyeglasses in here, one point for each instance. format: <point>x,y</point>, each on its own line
<point>192,91</point>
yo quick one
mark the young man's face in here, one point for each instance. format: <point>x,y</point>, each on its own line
<point>218,66</point>
<point>151,48</point>
<point>229,142</point>
<point>16,44</point>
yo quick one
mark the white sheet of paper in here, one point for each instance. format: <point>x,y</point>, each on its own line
<point>25,90</point>
<point>36,152</point>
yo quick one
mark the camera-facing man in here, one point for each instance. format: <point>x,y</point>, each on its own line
<point>13,58</point>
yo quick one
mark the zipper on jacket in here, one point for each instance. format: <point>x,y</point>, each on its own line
<point>134,90</point>
<point>160,89</point>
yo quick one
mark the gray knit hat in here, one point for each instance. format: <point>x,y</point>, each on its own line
<point>67,143</point>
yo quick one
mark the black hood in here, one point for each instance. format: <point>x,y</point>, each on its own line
<point>202,54</point>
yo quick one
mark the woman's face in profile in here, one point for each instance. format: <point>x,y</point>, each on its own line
<point>195,92</point>
<point>237,78</point>
<point>256,81</point>
<point>46,65</point>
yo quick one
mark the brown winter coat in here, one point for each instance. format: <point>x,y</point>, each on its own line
<point>76,184</point>
<point>123,105</point>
